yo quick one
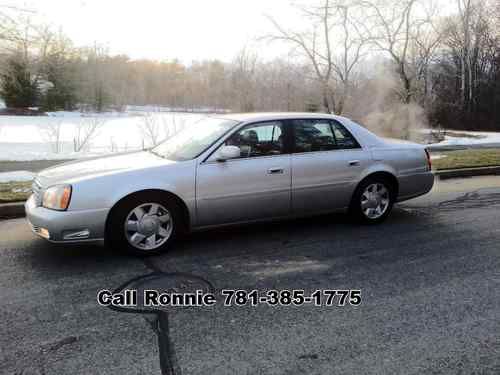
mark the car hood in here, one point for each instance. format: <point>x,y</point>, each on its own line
<point>94,167</point>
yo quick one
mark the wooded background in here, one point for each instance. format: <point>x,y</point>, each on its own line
<point>391,63</point>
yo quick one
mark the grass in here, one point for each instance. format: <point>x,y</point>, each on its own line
<point>14,191</point>
<point>467,158</point>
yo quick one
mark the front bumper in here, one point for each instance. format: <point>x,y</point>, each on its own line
<point>66,226</point>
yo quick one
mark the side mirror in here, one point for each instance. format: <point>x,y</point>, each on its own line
<point>228,152</point>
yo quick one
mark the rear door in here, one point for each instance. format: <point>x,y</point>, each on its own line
<point>254,186</point>
<point>327,162</point>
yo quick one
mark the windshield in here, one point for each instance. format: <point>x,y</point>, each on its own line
<point>192,141</point>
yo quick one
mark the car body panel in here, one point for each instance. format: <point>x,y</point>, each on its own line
<point>325,180</point>
<point>74,171</point>
<point>175,177</point>
<point>243,190</point>
<point>414,185</point>
<point>234,191</point>
<point>58,223</point>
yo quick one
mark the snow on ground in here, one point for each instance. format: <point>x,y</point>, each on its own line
<point>67,114</point>
<point>16,176</point>
<point>477,138</point>
<point>437,156</point>
<point>18,151</point>
<point>24,138</point>
<point>465,138</point>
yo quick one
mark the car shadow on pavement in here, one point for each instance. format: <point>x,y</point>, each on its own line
<point>257,239</point>
<point>254,254</point>
<point>92,263</point>
<point>289,235</point>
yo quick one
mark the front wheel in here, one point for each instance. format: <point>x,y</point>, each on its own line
<point>143,226</point>
<point>373,200</point>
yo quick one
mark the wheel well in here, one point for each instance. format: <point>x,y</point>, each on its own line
<point>386,176</point>
<point>148,193</point>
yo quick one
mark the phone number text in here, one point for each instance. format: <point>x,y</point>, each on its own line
<point>297,297</point>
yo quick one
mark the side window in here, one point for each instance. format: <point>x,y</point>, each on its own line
<point>313,135</point>
<point>344,139</point>
<point>256,140</point>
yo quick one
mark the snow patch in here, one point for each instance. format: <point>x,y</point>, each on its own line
<point>438,156</point>
<point>477,138</point>
<point>24,138</point>
<point>459,141</point>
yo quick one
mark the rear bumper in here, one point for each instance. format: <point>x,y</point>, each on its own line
<point>66,226</point>
<point>415,185</point>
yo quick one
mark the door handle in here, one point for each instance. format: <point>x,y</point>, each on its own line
<point>275,170</point>
<point>353,163</point>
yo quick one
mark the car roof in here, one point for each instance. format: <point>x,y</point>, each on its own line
<point>362,135</point>
<point>269,116</point>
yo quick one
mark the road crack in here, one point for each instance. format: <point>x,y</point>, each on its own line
<point>157,319</point>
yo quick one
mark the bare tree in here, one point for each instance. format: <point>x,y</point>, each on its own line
<point>12,19</point>
<point>470,34</point>
<point>243,79</point>
<point>51,133</point>
<point>321,61</point>
<point>353,41</point>
<point>472,42</point>
<point>465,8</point>
<point>178,123</point>
<point>7,26</point>
<point>85,132</point>
<point>428,36</point>
<point>390,24</point>
<point>333,46</point>
<point>150,129</point>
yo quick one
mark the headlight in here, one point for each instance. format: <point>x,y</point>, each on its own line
<point>57,197</point>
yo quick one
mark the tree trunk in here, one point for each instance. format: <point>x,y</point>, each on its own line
<point>407,95</point>
<point>326,102</point>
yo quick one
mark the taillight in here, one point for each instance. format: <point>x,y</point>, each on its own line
<point>429,163</point>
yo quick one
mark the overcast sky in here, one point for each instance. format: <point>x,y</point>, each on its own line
<point>166,29</point>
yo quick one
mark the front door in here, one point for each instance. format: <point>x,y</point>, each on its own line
<point>254,186</point>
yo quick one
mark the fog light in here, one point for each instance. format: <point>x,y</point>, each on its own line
<point>44,233</point>
<point>76,235</point>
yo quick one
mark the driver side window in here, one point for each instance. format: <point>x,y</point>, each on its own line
<point>265,139</point>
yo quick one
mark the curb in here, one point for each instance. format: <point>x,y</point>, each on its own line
<point>467,172</point>
<point>12,210</point>
<point>15,210</point>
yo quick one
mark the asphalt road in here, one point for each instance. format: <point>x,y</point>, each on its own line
<point>429,278</point>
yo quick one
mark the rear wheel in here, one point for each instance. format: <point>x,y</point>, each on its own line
<point>373,200</point>
<point>144,225</point>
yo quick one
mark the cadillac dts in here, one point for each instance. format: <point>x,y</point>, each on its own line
<point>228,169</point>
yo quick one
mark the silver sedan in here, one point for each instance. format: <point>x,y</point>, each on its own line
<point>225,170</point>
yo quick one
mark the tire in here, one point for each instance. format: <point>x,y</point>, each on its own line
<point>373,200</point>
<point>144,224</point>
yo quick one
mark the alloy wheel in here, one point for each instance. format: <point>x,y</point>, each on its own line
<point>375,201</point>
<point>148,226</point>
